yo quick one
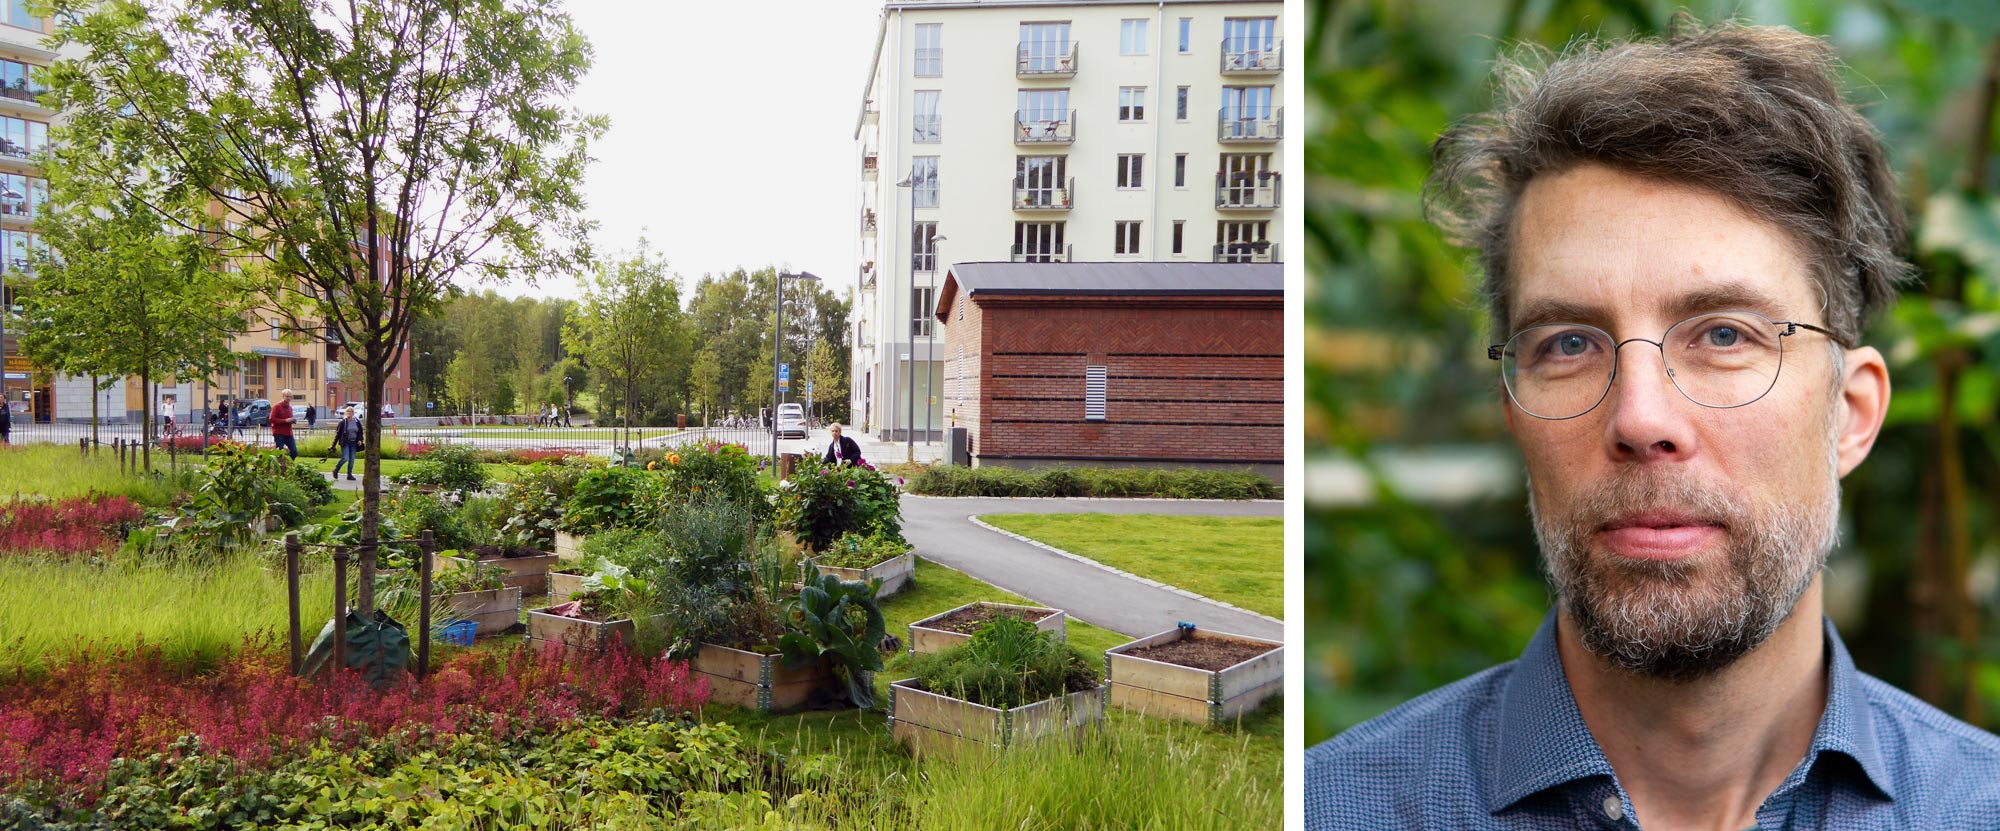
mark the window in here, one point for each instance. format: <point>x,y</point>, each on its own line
<point>1132,36</point>
<point>1125,237</point>
<point>1242,242</point>
<point>1039,242</point>
<point>279,367</point>
<point>22,195</point>
<point>1180,170</point>
<point>1180,226</point>
<point>1247,180</point>
<point>312,371</point>
<point>926,126</point>
<point>920,311</point>
<point>1187,28</point>
<point>1131,103</point>
<point>1130,170</point>
<point>1243,107</point>
<point>1180,104</point>
<point>21,138</point>
<point>924,181</point>
<point>923,247</point>
<point>16,81</point>
<point>1041,182</point>
<point>1246,40</point>
<point>1043,105</point>
<point>17,14</point>
<point>930,50</point>
<point>1045,47</point>
<point>1093,393</point>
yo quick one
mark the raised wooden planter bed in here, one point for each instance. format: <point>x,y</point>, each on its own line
<point>549,631</point>
<point>932,635</point>
<point>569,546</point>
<point>562,587</point>
<point>529,574</point>
<point>894,573</point>
<point>495,610</point>
<point>1211,696</point>
<point>933,723</point>
<point>757,681</point>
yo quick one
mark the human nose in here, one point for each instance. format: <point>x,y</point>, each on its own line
<point>1649,415</point>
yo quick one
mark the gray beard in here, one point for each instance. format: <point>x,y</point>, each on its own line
<point>1682,621</point>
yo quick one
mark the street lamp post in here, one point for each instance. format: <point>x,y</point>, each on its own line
<point>777,348</point>
<point>930,341</point>
<point>895,371</point>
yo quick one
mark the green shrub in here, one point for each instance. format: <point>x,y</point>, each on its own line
<point>534,509</point>
<point>856,551</point>
<point>625,546</point>
<point>1155,483</point>
<point>822,502</point>
<point>482,517</point>
<point>612,497</point>
<point>453,468</point>
<point>837,621</point>
<point>318,489</point>
<point>713,468</point>
<point>1005,664</point>
<point>415,511</point>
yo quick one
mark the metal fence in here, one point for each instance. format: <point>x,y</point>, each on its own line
<point>592,440</point>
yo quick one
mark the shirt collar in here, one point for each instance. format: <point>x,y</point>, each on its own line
<point>1544,743</point>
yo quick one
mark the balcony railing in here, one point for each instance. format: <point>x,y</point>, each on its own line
<point>1254,251</point>
<point>868,275</point>
<point>1045,61</point>
<point>1043,197</point>
<point>1039,254</point>
<point>1252,56</point>
<point>870,162</point>
<point>29,94</point>
<point>1246,191</point>
<point>867,222</point>
<point>1250,124</point>
<point>927,129</point>
<point>1044,128</point>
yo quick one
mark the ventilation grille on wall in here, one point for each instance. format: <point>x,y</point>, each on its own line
<point>1093,393</point>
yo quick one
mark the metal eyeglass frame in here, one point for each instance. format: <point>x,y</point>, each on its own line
<point>1788,327</point>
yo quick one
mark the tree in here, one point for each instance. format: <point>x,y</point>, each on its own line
<point>630,328</point>
<point>829,378</point>
<point>705,381</point>
<point>374,149</point>
<point>118,294</point>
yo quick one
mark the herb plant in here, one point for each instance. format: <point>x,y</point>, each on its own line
<point>1006,664</point>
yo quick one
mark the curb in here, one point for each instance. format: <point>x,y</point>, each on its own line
<point>1126,574</point>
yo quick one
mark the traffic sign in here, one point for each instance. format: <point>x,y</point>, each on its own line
<point>784,376</point>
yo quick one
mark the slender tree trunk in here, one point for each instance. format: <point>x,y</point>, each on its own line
<point>146,417</point>
<point>371,473</point>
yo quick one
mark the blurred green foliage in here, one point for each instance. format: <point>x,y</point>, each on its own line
<point>1404,594</point>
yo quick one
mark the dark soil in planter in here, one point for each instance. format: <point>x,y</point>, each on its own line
<point>967,621</point>
<point>1211,654</point>
<point>496,552</point>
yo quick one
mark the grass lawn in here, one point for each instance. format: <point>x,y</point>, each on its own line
<point>56,471</point>
<point>1238,560</point>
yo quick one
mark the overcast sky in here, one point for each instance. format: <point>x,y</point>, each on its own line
<point>732,132</point>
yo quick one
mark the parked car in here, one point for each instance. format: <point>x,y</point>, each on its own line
<point>791,423</point>
<point>258,414</point>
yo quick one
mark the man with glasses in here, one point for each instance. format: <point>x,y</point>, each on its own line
<point>1682,241</point>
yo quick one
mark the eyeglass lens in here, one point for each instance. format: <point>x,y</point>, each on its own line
<point>1562,370</point>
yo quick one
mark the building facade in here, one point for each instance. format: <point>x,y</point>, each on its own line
<point>1116,364</point>
<point>1037,132</point>
<point>24,130</point>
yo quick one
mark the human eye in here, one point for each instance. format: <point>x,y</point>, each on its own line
<point>1558,347</point>
<point>1724,333</point>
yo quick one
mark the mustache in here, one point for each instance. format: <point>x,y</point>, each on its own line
<point>1648,494</point>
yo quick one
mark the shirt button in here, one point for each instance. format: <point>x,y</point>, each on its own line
<point>1614,809</point>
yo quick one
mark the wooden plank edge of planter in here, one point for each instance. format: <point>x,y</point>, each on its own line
<point>980,724</point>
<point>569,546</point>
<point>925,639</point>
<point>895,572</point>
<point>494,610</point>
<point>756,681</point>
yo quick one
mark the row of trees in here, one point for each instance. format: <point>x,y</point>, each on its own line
<point>639,343</point>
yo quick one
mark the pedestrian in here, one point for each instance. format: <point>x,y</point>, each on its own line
<point>281,424</point>
<point>565,414</point>
<point>6,422</point>
<point>347,437</point>
<point>312,416</point>
<point>843,450</point>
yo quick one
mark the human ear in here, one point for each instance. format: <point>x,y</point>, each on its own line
<point>1863,406</point>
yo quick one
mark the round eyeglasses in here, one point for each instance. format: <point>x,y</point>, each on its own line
<point>1722,360</point>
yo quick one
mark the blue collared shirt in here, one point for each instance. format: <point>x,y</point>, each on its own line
<point>1508,749</point>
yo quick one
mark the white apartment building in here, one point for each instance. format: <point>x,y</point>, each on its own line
<point>1035,131</point>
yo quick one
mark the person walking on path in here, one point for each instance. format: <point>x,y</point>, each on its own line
<point>565,415</point>
<point>281,424</point>
<point>6,423</point>
<point>312,416</point>
<point>843,450</point>
<point>347,437</point>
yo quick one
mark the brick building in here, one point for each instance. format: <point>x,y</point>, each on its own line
<point>1116,364</point>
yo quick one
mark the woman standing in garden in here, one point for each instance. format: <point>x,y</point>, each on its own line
<point>347,437</point>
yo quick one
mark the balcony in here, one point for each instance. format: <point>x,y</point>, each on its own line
<point>1252,56</point>
<point>868,275</point>
<point>1043,198</point>
<point>1040,254</point>
<point>1250,125</point>
<point>1249,251</point>
<point>1037,128</point>
<point>1245,191</point>
<point>1046,60</point>
<point>871,162</point>
<point>867,223</point>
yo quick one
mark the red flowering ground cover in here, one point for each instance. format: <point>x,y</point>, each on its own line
<point>414,449</point>
<point>84,525</point>
<point>67,725</point>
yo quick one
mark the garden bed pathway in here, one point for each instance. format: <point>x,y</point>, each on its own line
<point>943,531</point>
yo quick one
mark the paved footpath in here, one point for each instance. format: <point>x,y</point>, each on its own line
<point>942,530</point>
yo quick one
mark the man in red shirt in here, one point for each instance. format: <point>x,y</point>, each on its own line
<point>281,424</point>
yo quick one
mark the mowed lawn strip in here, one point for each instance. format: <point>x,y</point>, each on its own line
<point>1237,560</point>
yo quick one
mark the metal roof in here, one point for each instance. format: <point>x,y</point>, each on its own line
<point>273,352</point>
<point>1137,278</point>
